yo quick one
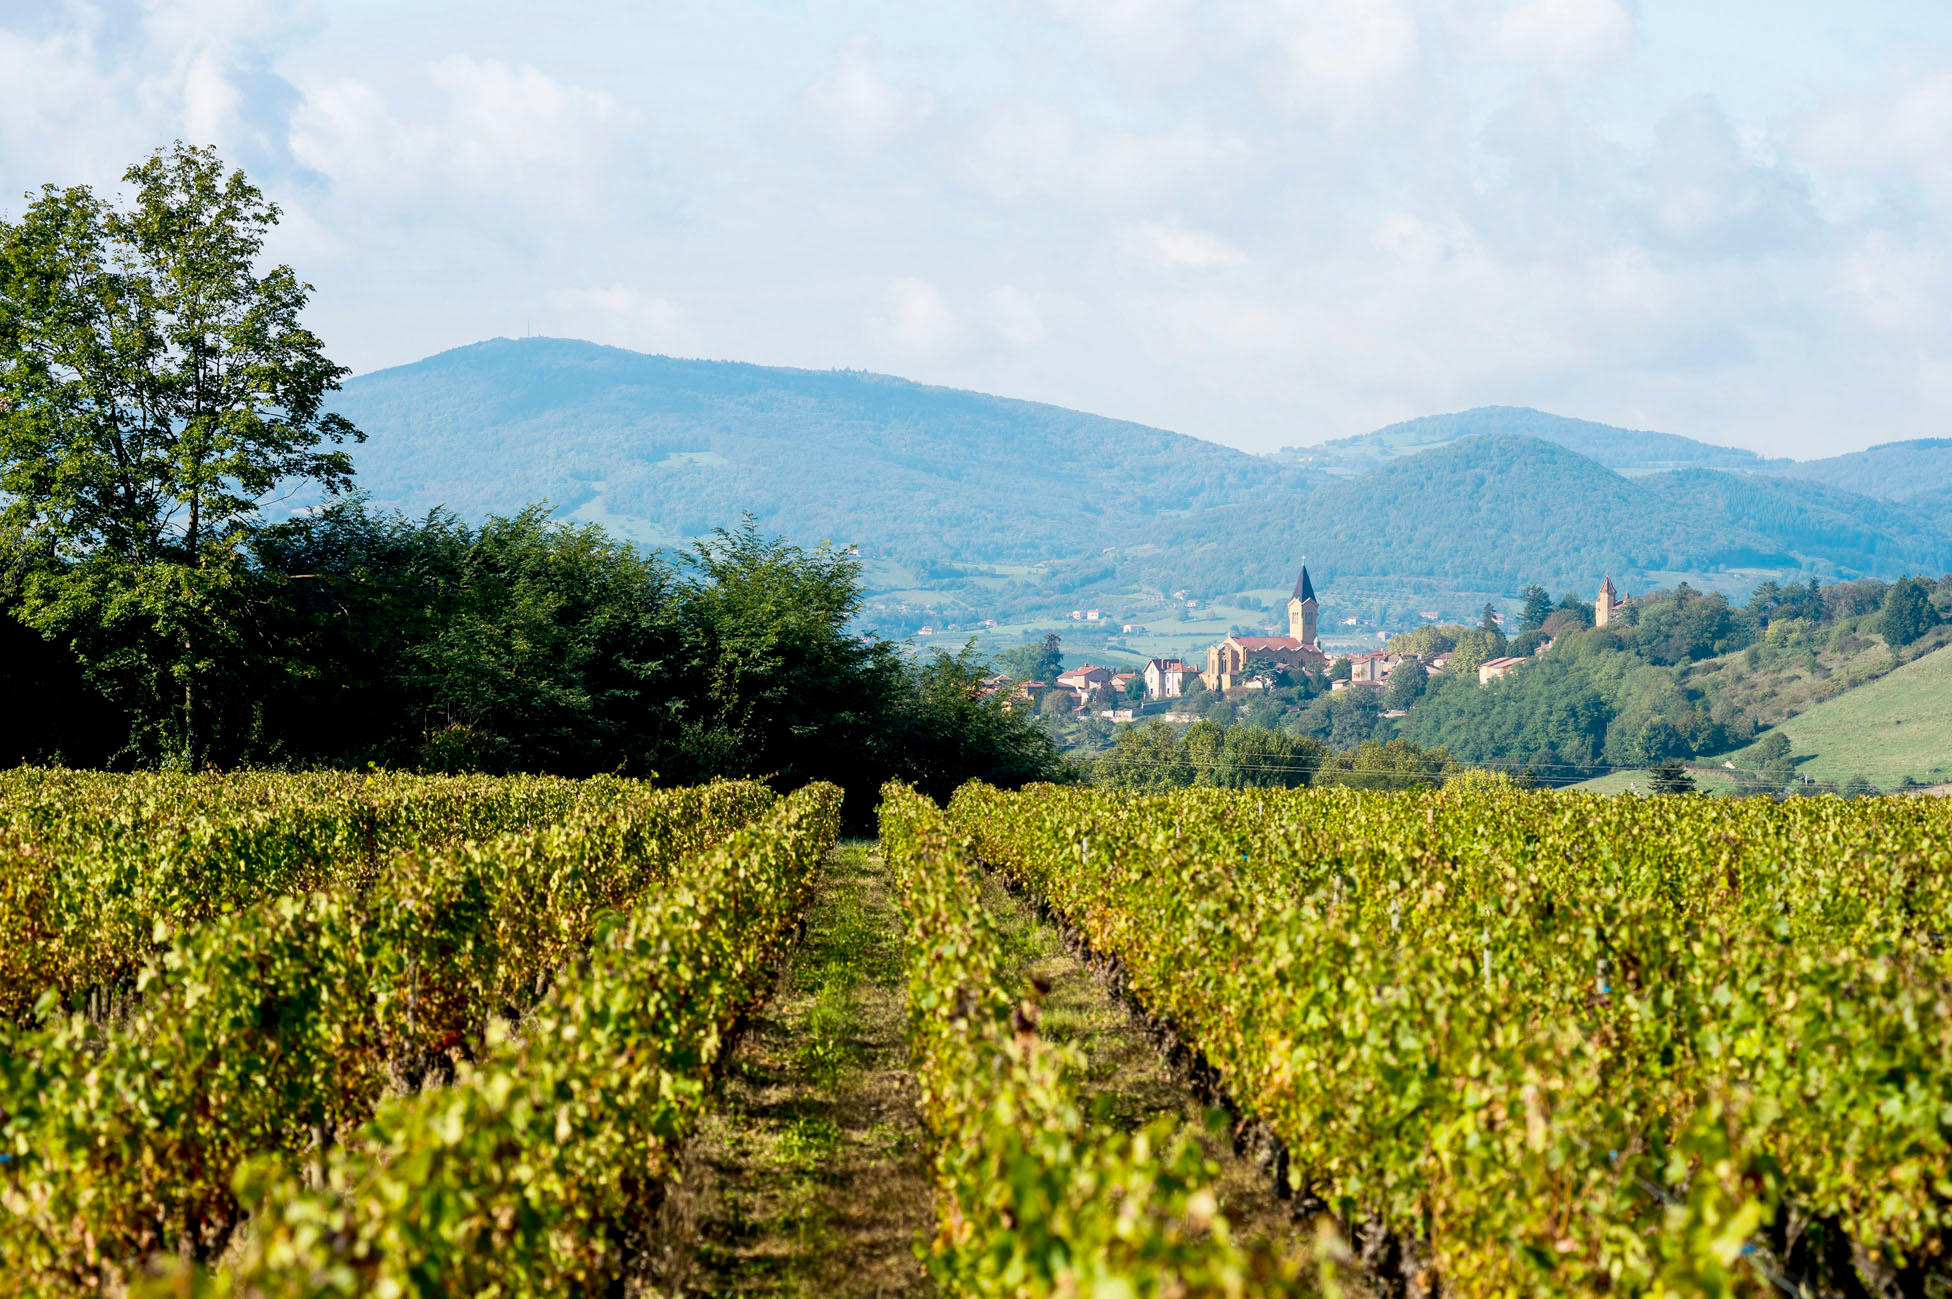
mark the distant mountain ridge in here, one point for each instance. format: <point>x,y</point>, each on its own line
<point>1897,471</point>
<point>1620,449</point>
<point>1003,498</point>
<point>662,450</point>
<point>1503,511</point>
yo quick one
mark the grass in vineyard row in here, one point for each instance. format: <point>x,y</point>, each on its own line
<point>535,1173</point>
<point>1033,1198</point>
<point>276,1029</point>
<point>1551,1044</point>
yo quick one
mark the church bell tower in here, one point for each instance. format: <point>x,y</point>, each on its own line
<point>1302,609</point>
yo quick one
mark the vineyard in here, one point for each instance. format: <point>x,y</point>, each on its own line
<point>1516,1044</point>
<point>432,1035</point>
<point>344,1035</point>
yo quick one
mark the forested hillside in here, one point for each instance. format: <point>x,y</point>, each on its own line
<point>1503,511</point>
<point>1627,450</point>
<point>1897,471</point>
<point>661,450</point>
<point>965,494</point>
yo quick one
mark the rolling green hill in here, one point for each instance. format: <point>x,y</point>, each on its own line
<point>1896,727</point>
<point>662,450</point>
<point>1503,511</point>
<point>1620,449</point>
<point>975,506</point>
<point>1897,471</point>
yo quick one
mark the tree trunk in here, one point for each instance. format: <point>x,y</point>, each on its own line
<point>189,703</point>
<point>192,542</point>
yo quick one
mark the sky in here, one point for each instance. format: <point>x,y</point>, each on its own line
<point>1264,223</point>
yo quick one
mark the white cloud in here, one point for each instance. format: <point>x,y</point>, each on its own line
<point>502,131</point>
<point>1161,25</point>
<point>1340,58</point>
<point>520,131</point>
<point>91,94</point>
<point>208,65</point>
<point>56,91</point>
<point>917,318</point>
<point>1708,193</point>
<point>205,24</point>
<point>1897,288</point>
<point>1016,316</point>
<point>1152,43</point>
<point>1332,59</point>
<point>1042,152</point>
<point>1497,211</point>
<point>860,106</point>
<point>621,315</point>
<point>1174,246</point>
<point>1564,36</point>
<point>1628,282</point>
<point>1902,135</point>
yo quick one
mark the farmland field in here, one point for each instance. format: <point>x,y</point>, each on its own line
<point>337,1035</point>
<point>1548,1043</point>
<point>1895,728</point>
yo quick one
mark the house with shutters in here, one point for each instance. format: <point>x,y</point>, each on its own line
<point>1166,678</point>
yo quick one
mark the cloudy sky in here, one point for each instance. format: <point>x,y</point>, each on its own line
<point>1265,223</point>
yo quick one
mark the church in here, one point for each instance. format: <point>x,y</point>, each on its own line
<point>1226,663</point>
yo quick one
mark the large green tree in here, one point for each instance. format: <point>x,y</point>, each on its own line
<point>156,385</point>
<point>1908,613</point>
<point>1040,660</point>
<point>779,681</point>
<point>1537,607</point>
<point>1146,759</point>
<point>1406,682</point>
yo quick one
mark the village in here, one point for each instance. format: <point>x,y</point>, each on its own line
<point>1239,665</point>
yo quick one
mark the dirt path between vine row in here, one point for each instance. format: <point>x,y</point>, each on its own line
<point>810,1174</point>
<point>1128,1084</point>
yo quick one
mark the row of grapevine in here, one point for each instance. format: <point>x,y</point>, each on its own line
<point>273,1029</point>
<point>92,863</point>
<point>1031,1199</point>
<point>532,1173</point>
<point>1550,1043</point>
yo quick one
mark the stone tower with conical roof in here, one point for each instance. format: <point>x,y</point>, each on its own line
<point>1608,603</point>
<point>1302,609</point>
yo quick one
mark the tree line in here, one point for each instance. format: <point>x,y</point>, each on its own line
<point>159,390</point>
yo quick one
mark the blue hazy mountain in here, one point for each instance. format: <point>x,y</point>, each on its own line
<point>1623,450</point>
<point>1897,471</point>
<point>1495,512</point>
<point>942,486</point>
<point>662,450</point>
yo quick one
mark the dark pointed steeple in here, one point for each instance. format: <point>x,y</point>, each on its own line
<point>1304,589</point>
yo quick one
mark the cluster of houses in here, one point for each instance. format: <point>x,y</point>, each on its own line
<point>1085,684</point>
<point>1239,662</point>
